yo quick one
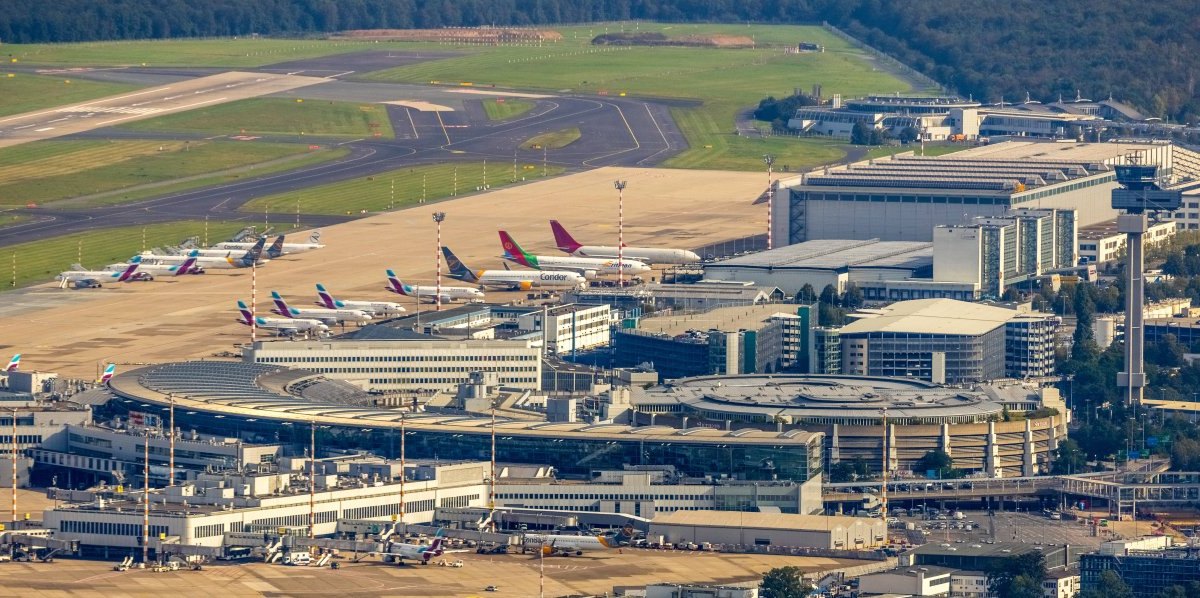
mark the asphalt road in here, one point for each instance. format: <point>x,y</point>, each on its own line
<point>615,132</point>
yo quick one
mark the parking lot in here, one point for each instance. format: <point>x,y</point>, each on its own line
<point>980,527</point>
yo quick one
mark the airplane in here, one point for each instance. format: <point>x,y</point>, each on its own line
<point>108,374</point>
<point>253,256</point>
<point>589,267</point>
<point>86,279</point>
<point>552,544</point>
<point>274,251</point>
<point>378,308</point>
<point>187,267</point>
<point>14,363</point>
<point>284,326</point>
<point>649,255</point>
<point>325,315</point>
<point>396,552</point>
<point>314,242</point>
<point>517,280</point>
<point>430,292</point>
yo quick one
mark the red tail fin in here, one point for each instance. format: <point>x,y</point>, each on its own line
<point>563,239</point>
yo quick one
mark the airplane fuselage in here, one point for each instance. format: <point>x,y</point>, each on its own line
<point>530,279</point>
<point>647,255</point>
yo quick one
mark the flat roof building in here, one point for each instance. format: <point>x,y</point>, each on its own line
<point>770,529</point>
<point>1100,242</point>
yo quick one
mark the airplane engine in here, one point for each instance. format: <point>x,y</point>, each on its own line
<point>526,285</point>
<point>589,274</point>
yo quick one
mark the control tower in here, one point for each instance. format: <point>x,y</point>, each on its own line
<point>1141,191</point>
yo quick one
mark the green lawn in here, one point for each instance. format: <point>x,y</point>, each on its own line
<point>506,108</point>
<point>276,116</point>
<point>184,52</point>
<point>554,140</point>
<point>375,193</point>
<point>724,80</point>
<point>22,92</point>
<point>41,261</point>
<point>53,170</point>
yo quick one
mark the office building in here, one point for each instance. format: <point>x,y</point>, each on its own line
<point>907,581</point>
<point>903,198</point>
<point>770,529</point>
<point>995,252</point>
<point>417,366</point>
<point>1146,571</point>
<point>570,327</point>
<point>947,341</point>
<point>38,423</point>
<point>1101,243</point>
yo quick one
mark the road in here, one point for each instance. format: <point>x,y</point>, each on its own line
<point>453,127</point>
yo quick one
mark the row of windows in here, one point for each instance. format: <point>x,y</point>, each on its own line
<point>110,529</point>
<point>376,511</point>
<point>453,502</point>
<point>22,439</point>
<point>504,379</point>
<point>416,370</point>
<point>396,358</point>
<point>208,531</point>
<point>561,496</point>
<point>936,199</point>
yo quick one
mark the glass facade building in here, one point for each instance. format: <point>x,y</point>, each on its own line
<point>1146,572</point>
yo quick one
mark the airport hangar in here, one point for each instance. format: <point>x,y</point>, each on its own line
<point>230,398</point>
<point>902,198</point>
<point>847,411</point>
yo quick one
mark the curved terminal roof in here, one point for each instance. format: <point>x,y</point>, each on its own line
<point>849,400</point>
<point>256,392</point>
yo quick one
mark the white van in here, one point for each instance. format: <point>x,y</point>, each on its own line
<point>300,559</point>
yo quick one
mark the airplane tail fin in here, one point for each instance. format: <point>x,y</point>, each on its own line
<point>324,298</point>
<point>254,253</point>
<point>435,548</point>
<point>109,372</point>
<point>128,272</point>
<point>187,264</point>
<point>247,315</point>
<point>396,285</point>
<point>137,259</point>
<point>315,237</point>
<point>13,363</point>
<point>276,248</point>
<point>281,305</point>
<point>563,239</point>
<point>457,268</point>
<point>513,251</point>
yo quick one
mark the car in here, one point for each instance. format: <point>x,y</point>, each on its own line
<point>492,589</point>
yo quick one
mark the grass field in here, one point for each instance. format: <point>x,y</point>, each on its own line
<point>23,92</point>
<point>184,52</point>
<point>724,80</point>
<point>397,188</point>
<point>276,116</point>
<point>41,261</point>
<point>53,170</point>
<point>553,140</point>
<point>506,109</point>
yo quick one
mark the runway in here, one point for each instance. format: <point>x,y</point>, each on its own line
<point>615,132</point>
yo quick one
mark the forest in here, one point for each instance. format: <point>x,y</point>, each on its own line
<point>1138,52</point>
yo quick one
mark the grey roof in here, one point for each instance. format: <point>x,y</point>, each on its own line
<point>836,254</point>
<point>935,316</point>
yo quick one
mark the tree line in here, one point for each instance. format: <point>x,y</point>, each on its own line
<point>1139,52</point>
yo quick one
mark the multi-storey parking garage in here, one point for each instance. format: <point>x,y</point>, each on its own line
<point>976,426</point>
<point>260,401</point>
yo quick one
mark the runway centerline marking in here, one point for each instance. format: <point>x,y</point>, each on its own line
<point>411,123</point>
<point>84,104</point>
<point>180,108</point>
<point>443,125</point>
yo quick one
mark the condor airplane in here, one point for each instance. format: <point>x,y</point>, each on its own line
<point>314,242</point>
<point>283,326</point>
<point>326,315</point>
<point>589,267</point>
<point>552,544</point>
<point>648,255</point>
<point>274,251</point>
<point>517,280</point>
<point>251,257</point>
<point>86,279</point>
<point>430,292</point>
<point>377,308</point>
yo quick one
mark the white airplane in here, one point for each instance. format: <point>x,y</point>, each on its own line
<point>552,544</point>
<point>649,255</point>
<point>589,267</point>
<point>187,267</point>
<point>252,256</point>
<point>86,279</point>
<point>283,248</point>
<point>517,280</point>
<point>430,292</point>
<point>396,552</point>
<point>325,315</point>
<point>377,308</point>
<point>283,326</point>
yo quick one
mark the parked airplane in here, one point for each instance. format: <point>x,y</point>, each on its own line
<point>326,315</point>
<point>250,257</point>
<point>283,326</point>
<point>430,292</point>
<point>517,280</point>
<point>187,267</point>
<point>589,267</point>
<point>314,242</point>
<point>86,279</point>
<point>274,251</point>
<point>552,544</point>
<point>109,372</point>
<point>14,363</point>
<point>396,552</point>
<point>378,308</point>
<point>648,255</point>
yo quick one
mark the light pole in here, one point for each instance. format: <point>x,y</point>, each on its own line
<point>620,187</point>
<point>438,217</point>
<point>769,160</point>
<point>883,488</point>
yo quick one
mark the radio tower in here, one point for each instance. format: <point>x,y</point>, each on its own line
<point>769,160</point>
<point>620,187</point>
<point>438,217</point>
<point>1141,191</point>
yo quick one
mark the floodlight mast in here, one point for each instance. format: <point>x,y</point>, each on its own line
<point>1140,192</point>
